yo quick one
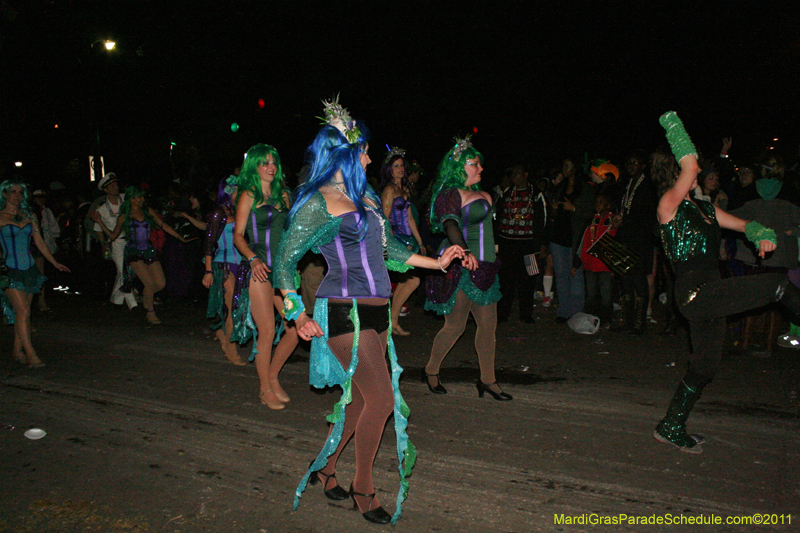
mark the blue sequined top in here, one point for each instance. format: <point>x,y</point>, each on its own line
<point>16,244</point>
<point>692,240</point>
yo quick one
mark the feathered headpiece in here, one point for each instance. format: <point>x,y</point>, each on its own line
<point>461,145</point>
<point>230,184</point>
<point>393,151</point>
<point>338,117</point>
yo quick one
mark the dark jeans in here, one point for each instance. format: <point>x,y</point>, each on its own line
<point>514,277</point>
<point>705,300</point>
<point>598,295</point>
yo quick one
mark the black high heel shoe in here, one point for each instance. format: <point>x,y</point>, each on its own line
<point>377,515</point>
<point>499,396</point>
<point>336,493</point>
<point>439,388</point>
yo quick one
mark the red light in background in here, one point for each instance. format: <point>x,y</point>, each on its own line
<point>475,130</point>
<point>261,103</point>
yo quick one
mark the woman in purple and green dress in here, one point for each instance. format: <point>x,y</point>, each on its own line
<point>222,261</point>
<point>337,214</point>
<point>140,258</point>
<point>396,201</point>
<point>260,215</point>
<point>464,213</point>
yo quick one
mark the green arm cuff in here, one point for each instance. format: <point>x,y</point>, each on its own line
<point>756,233</point>
<point>679,140</point>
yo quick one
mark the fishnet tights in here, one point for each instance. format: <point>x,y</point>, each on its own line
<point>454,325</point>
<point>373,401</point>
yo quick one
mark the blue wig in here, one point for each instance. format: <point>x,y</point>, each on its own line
<point>326,155</point>
<point>25,206</point>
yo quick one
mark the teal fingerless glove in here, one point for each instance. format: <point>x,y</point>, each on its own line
<point>292,306</point>
<point>756,233</point>
<point>679,140</point>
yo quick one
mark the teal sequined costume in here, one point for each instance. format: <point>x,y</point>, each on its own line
<point>692,242</point>
<point>21,272</point>
<point>263,229</point>
<point>312,227</point>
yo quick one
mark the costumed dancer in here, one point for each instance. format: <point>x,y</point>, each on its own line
<point>18,225</point>
<point>260,214</point>
<point>396,200</point>
<point>135,222</point>
<point>337,214</point>
<point>222,264</point>
<point>464,213</point>
<point>690,232</point>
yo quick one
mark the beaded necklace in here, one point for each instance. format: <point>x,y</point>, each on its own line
<point>629,194</point>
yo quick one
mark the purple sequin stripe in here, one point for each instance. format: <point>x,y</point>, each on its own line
<point>342,262</point>
<point>367,269</point>
<point>267,238</point>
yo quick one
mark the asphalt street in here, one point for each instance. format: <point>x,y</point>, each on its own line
<point>151,429</point>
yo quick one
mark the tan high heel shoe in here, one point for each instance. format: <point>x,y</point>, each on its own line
<point>152,318</point>
<point>275,406</point>
<point>278,391</point>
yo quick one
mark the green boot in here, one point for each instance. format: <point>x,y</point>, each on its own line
<point>672,429</point>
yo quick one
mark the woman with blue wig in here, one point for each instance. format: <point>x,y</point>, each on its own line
<point>337,214</point>
<point>18,227</point>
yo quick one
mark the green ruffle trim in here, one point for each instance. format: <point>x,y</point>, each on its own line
<point>478,296</point>
<point>397,266</point>
<point>756,233</point>
<point>678,138</point>
<point>216,297</point>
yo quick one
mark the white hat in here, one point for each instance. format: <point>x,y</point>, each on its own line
<point>108,178</point>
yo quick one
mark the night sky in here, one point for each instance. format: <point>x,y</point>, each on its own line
<point>538,81</point>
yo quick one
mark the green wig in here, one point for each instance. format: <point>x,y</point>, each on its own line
<point>250,181</point>
<point>131,193</point>
<point>451,174</point>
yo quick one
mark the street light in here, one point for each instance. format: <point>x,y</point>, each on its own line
<point>108,44</point>
<point>96,162</point>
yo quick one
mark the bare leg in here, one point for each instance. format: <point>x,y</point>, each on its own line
<point>283,351</point>
<point>39,261</point>
<point>400,297</point>
<point>21,301</point>
<point>262,309</point>
<point>152,277</point>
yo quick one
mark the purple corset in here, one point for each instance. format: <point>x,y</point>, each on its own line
<point>356,269</point>
<point>140,234</point>
<point>398,218</point>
